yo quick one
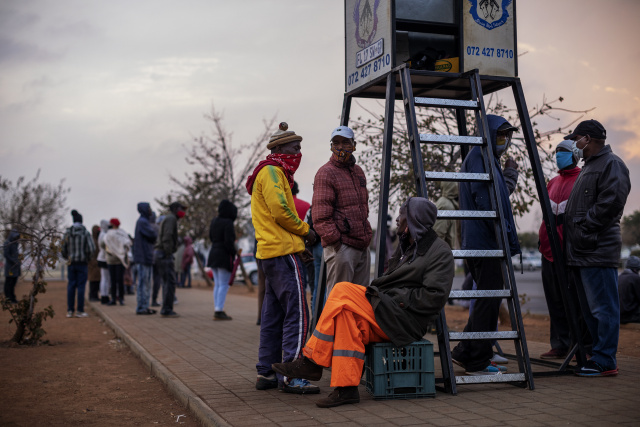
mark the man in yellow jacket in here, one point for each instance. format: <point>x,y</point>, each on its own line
<point>281,235</point>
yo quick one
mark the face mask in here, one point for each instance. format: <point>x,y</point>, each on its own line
<point>578,152</point>
<point>341,155</point>
<point>502,143</point>
<point>180,214</point>
<point>564,159</point>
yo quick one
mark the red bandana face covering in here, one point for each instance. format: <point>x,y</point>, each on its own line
<point>288,162</point>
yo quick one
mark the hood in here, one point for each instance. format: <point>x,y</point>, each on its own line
<point>226,209</point>
<point>188,240</point>
<point>13,236</point>
<point>449,189</point>
<point>144,209</point>
<point>104,225</point>
<point>494,123</point>
<point>77,229</point>
<point>421,215</point>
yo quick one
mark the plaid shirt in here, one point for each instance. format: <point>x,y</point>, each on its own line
<point>340,207</point>
<point>77,244</point>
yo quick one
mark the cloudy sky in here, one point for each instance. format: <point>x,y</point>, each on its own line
<point>105,94</point>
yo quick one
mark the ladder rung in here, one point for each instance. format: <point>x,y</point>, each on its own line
<point>445,214</point>
<point>445,103</point>
<point>496,378</point>
<point>456,176</point>
<point>472,253</point>
<point>495,335</point>
<point>451,139</point>
<point>496,293</point>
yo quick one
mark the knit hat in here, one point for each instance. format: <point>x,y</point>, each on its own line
<point>76,216</point>
<point>115,222</point>
<point>633,262</point>
<point>282,136</point>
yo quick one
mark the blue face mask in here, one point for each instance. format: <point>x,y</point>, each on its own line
<point>564,159</point>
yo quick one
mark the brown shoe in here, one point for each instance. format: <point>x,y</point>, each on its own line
<point>299,368</point>
<point>340,396</point>
<point>554,353</point>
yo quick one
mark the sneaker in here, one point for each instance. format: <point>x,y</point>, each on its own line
<point>554,353</point>
<point>299,368</point>
<point>170,314</point>
<point>594,369</point>
<point>491,369</point>
<point>499,359</point>
<point>340,396</point>
<point>81,314</point>
<point>221,315</point>
<point>299,386</point>
<point>69,313</point>
<point>266,382</point>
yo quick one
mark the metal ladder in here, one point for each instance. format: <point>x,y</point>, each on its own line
<point>449,380</point>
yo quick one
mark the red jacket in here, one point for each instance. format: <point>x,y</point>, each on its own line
<point>559,189</point>
<point>340,206</point>
<point>301,207</point>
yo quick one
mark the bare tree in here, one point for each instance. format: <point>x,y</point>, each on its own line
<point>370,130</point>
<point>220,172</point>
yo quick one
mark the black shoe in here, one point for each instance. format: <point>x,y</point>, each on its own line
<point>170,314</point>
<point>121,301</point>
<point>155,304</point>
<point>112,303</point>
<point>258,322</point>
<point>266,383</point>
<point>340,396</point>
<point>104,300</point>
<point>299,368</point>
<point>221,315</point>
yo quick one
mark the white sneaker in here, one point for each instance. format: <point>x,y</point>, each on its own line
<point>81,314</point>
<point>499,359</point>
<point>69,313</point>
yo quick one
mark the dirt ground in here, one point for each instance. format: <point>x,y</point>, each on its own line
<point>86,376</point>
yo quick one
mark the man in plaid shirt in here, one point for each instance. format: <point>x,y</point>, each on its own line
<point>340,211</point>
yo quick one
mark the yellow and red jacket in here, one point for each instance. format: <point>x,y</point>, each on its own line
<point>279,231</point>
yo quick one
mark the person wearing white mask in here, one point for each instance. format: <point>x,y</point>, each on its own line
<point>593,241</point>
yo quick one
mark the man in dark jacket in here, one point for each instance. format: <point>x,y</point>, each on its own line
<point>77,248</point>
<point>340,210</point>
<point>629,290</point>
<point>475,356</point>
<point>223,251</point>
<point>144,239</point>
<point>166,246</point>
<point>11,265</point>
<point>396,307</point>
<point>593,242</point>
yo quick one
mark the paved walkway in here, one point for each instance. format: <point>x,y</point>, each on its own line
<point>210,367</point>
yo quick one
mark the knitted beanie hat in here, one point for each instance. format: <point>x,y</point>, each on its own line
<point>76,216</point>
<point>282,136</point>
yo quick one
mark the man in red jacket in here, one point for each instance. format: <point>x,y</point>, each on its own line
<point>559,189</point>
<point>340,211</point>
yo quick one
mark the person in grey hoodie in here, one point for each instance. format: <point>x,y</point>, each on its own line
<point>145,237</point>
<point>77,248</point>
<point>11,265</point>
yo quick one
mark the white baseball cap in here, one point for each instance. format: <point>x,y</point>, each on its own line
<point>342,131</point>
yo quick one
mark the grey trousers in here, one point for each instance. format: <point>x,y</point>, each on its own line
<point>347,265</point>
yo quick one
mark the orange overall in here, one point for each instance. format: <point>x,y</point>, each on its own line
<point>346,325</point>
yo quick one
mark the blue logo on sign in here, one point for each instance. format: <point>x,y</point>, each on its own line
<point>489,13</point>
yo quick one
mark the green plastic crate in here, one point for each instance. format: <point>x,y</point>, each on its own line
<point>400,372</point>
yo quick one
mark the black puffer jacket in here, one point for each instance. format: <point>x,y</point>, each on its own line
<point>223,237</point>
<point>594,209</point>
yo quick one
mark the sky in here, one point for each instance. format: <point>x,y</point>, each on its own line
<point>106,94</point>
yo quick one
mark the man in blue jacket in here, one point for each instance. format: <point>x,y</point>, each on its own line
<point>145,237</point>
<point>475,355</point>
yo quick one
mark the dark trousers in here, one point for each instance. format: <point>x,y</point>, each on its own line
<point>10,288</point>
<point>116,272</point>
<point>285,315</point>
<point>94,287</point>
<point>157,282</point>
<point>560,333</point>
<point>77,275</point>
<point>168,278</point>
<point>476,355</point>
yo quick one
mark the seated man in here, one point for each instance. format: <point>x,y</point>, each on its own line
<point>396,307</point>
<point>629,291</point>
